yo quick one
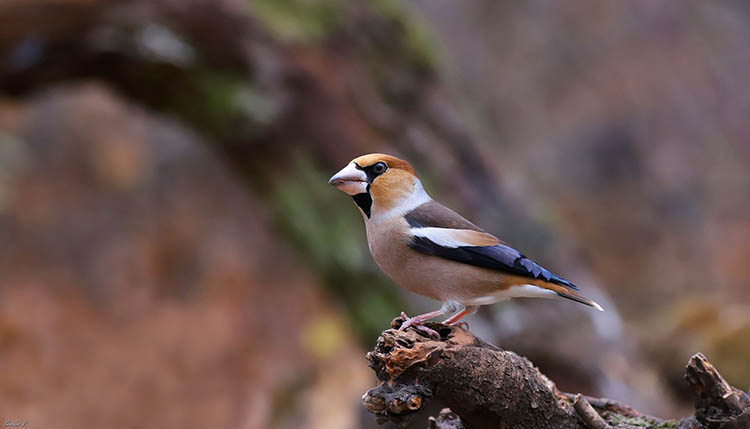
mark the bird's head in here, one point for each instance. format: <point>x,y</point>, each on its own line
<point>379,182</point>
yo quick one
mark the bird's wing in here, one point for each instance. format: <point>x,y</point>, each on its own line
<point>439,231</point>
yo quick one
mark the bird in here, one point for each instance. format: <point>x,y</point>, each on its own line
<point>429,249</point>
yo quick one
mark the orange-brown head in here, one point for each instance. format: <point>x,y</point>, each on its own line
<point>377,182</point>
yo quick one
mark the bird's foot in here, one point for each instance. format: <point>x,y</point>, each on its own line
<point>416,323</point>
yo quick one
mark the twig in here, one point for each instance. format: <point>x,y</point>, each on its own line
<point>589,415</point>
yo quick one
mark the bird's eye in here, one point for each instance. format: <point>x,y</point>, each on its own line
<point>379,167</point>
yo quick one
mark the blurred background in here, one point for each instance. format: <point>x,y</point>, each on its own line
<point>172,256</point>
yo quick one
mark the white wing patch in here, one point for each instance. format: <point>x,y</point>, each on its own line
<point>453,238</point>
<point>442,236</point>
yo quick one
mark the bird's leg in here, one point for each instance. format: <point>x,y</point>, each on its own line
<point>454,320</point>
<point>416,321</point>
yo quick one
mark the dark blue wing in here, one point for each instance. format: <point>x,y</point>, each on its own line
<point>499,257</point>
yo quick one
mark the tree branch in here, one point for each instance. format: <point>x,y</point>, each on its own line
<point>487,387</point>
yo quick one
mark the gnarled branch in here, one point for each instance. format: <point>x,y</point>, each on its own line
<point>487,387</point>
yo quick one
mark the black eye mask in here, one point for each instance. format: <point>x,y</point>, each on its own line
<point>371,172</point>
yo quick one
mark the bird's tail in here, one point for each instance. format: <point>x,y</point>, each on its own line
<point>578,298</point>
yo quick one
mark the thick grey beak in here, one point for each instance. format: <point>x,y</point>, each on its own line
<point>350,179</point>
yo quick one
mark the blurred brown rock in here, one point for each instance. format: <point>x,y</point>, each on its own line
<point>135,282</point>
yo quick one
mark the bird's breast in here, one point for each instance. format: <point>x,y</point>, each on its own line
<point>388,242</point>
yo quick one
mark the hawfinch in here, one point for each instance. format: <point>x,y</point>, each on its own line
<point>433,251</point>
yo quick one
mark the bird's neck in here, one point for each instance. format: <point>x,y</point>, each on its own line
<point>404,205</point>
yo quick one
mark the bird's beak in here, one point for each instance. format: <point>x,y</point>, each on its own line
<point>350,179</point>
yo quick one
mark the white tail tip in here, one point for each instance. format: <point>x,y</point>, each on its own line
<point>597,306</point>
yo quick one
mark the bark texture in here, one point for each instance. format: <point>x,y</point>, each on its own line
<point>447,419</point>
<point>486,387</point>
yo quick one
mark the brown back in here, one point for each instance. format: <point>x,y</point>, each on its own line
<point>435,215</point>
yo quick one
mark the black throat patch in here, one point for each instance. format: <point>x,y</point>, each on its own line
<point>364,201</point>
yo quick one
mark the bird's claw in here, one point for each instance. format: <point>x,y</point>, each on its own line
<point>462,325</point>
<point>431,333</point>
